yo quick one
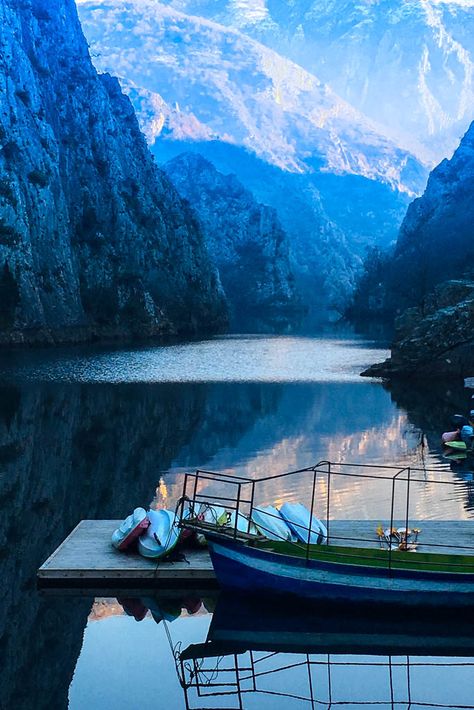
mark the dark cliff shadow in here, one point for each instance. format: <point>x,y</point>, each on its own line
<point>78,451</point>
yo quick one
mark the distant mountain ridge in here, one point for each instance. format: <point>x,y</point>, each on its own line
<point>408,64</point>
<point>238,91</point>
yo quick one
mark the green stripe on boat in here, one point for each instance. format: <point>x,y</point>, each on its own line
<point>366,557</point>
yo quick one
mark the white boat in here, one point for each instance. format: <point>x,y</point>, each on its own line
<point>161,536</point>
<point>132,527</point>
<point>307,528</point>
<point>270,523</point>
<point>241,523</point>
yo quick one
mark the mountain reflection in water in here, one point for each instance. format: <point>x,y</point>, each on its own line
<point>74,451</point>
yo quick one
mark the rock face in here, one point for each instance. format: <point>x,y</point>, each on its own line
<point>436,240</point>
<point>324,261</point>
<point>436,243</point>
<point>435,341</point>
<point>244,237</point>
<point>94,240</point>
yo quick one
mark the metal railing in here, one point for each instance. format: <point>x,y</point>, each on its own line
<point>239,496</point>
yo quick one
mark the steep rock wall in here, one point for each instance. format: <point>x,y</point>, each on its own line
<point>436,240</point>
<point>94,240</point>
<point>244,237</point>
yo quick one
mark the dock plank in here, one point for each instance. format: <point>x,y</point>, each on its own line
<point>86,557</point>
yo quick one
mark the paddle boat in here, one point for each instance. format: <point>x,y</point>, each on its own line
<point>130,530</point>
<point>154,533</point>
<point>162,535</point>
<point>461,440</point>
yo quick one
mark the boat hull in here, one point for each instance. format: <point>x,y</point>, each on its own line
<point>249,569</point>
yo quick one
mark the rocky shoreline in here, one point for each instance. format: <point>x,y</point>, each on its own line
<point>436,341</point>
<point>106,335</point>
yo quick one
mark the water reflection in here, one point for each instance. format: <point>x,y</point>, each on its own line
<point>74,451</point>
<point>261,654</point>
<point>430,407</point>
<point>231,358</point>
<point>68,453</point>
<point>80,451</point>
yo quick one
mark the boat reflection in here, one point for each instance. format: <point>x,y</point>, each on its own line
<point>260,655</point>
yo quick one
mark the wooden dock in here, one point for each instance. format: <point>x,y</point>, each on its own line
<point>87,560</point>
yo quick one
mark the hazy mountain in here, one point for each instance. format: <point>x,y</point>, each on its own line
<point>337,182</point>
<point>94,239</point>
<point>407,64</point>
<point>323,262</point>
<point>215,82</point>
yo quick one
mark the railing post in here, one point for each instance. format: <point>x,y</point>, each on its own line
<point>183,498</point>
<point>252,498</point>
<point>195,487</point>
<point>315,473</point>
<point>392,513</point>
<point>408,505</point>
<point>237,507</point>
<point>391,523</point>
<point>328,501</point>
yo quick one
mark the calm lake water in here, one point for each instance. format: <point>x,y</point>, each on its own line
<point>92,433</point>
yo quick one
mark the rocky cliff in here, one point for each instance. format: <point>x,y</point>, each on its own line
<point>244,237</point>
<point>429,278</point>
<point>94,240</point>
<point>436,340</point>
<point>324,261</point>
<point>436,240</point>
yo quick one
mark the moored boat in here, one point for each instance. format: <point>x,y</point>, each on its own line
<point>343,573</point>
<point>318,567</point>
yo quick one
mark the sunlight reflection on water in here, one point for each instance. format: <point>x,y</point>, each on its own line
<point>221,359</point>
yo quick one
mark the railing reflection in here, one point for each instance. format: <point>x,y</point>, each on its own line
<point>255,679</point>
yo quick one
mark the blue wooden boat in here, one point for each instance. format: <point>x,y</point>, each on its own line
<point>337,573</point>
<point>364,573</point>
